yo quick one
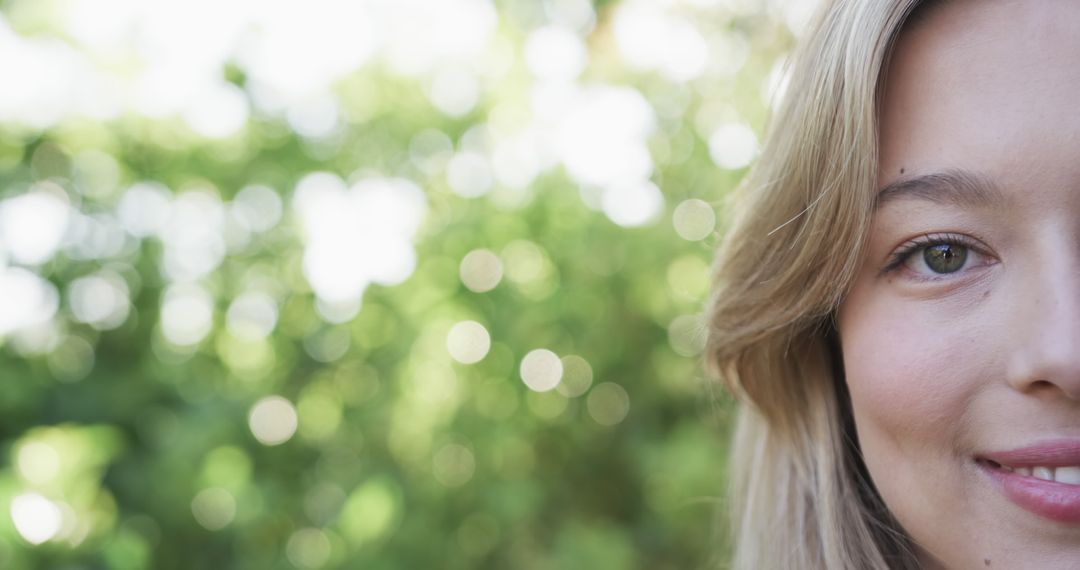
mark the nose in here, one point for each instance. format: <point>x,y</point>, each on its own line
<point>1046,322</point>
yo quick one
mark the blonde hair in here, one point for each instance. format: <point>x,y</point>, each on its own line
<point>800,494</point>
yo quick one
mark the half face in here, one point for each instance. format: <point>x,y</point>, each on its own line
<point>961,337</point>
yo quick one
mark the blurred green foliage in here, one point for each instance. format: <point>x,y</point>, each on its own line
<point>121,449</point>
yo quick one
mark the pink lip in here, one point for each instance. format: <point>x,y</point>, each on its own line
<point>1051,453</point>
<point>1050,499</point>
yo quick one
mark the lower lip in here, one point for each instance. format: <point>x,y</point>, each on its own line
<point>1055,501</point>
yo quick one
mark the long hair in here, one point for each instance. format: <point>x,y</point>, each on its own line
<point>800,494</point>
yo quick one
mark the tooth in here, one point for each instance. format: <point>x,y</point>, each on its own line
<point>1025,471</point>
<point>1070,475</point>
<point>1044,473</point>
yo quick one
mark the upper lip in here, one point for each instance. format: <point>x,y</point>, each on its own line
<point>1047,453</point>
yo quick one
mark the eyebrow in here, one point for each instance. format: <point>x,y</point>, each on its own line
<point>955,187</point>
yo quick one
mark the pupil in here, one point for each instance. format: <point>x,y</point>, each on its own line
<point>945,258</point>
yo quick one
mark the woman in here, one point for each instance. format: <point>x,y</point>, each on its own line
<point>897,302</point>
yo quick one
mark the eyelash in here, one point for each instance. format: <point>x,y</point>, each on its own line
<point>915,245</point>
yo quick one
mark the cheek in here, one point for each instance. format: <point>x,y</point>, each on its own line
<point>916,372</point>
<point>911,371</point>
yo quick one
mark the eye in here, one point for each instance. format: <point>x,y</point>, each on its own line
<point>942,258</point>
<point>937,256</point>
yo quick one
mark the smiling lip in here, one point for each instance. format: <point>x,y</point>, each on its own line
<point>1050,499</point>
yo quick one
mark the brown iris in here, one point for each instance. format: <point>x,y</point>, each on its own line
<point>945,257</point>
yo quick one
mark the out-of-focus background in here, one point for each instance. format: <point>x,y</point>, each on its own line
<point>383,284</point>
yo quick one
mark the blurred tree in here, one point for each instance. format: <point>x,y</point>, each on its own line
<point>383,284</point>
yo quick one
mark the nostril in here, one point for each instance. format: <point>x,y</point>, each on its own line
<point>1047,386</point>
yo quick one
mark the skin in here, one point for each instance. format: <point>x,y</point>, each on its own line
<point>941,367</point>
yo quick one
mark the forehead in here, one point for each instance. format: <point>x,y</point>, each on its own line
<point>990,86</point>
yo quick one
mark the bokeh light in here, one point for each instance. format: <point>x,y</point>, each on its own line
<point>186,314</point>
<point>257,207</point>
<point>36,518</point>
<point>541,370</point>
<point>469,175</point>
<point>454,91</point>
<point>454,465</point>
<point>732,146</point>
<point>547,405</point>
<point>368,283</point>
<point>38,462</point>
<point>633,204</point>
<point>602,136</point>
<point>577,376</point>
<point>308,548</point>
<point>686,333</point>
<point>273,420</point>
<point>608,403</point>
<point>252,315</point>
<point>33,224</point>
<point>481,270</point>
<point>652,38</point>
<point>144,208</point>
<point>555,54</point>
<point>100,300</point>
<point>214,508</point>
<point>357,236</point>
<point>694,219</point>
<point>373,510</point>
<point>72,360</point>
<point>468,342</point>
<point>28,299</point>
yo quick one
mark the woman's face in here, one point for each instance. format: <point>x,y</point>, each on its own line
<point>961,337</point>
